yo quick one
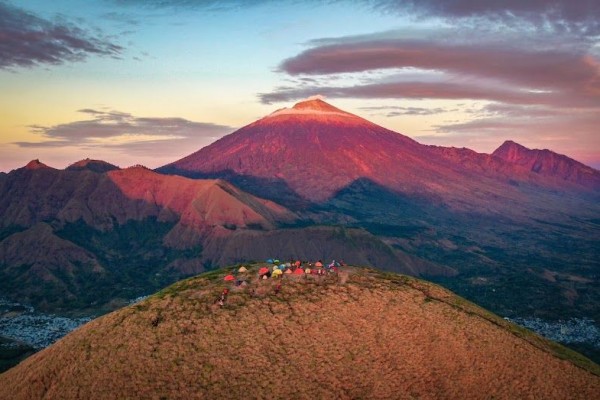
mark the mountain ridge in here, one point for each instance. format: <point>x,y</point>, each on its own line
<point>549,163</point>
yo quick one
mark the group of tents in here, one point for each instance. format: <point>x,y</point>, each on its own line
<point>277,270</point>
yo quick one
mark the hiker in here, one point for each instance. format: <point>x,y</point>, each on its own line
<point>223,297</point>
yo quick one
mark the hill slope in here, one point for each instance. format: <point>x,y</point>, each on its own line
<point>359,334</point>
<point>90,234</point>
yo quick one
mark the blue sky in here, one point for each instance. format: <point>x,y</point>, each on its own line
<point>151,81</point>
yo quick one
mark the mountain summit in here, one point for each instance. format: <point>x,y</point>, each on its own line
<point>313,107</point>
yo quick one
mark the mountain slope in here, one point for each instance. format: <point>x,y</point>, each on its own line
<point>94,235</point>
<point>549,163</point>
<point>361,334</point>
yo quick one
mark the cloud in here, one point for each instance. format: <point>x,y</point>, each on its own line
<point>395,111</point>
<point>210,5</point>
<point>516,66</point>
<point>543,69</point>
<point>433,90</point>
<point>111,129</point>
<point>581,16</point>
<point>27,40</point>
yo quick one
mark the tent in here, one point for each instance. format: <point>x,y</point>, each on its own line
<point>288,271</point>
<point>243,269</point>
<point>277,272</point>
<point>299,271</point>
<point>319,264</point>
<point>229,278</point>
<point>263,270</point>
<point>270,261</point>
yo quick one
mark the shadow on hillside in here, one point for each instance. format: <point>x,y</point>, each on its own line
<point>275,189</point>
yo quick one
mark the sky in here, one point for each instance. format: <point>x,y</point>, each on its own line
<point>151,81</point>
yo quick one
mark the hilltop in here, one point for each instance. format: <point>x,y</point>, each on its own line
<point>356,334</point>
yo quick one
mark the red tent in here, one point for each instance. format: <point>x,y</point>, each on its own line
<point>299,271</point>
<point>230,278</point>
<point>263,270</point>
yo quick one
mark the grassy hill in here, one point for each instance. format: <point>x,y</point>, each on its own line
<point>357,334</point>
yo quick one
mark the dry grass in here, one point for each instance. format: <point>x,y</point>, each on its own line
<point>364,334</point>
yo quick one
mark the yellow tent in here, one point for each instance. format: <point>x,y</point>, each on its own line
<point>243,269</point>
<point>276,273</point>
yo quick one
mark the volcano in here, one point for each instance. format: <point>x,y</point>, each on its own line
<point>315,150</point>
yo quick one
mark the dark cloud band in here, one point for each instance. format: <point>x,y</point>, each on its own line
<point>27,40</point>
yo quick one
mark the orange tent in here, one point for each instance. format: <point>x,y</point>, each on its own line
<point>230,278</point>
<point>318,264</point>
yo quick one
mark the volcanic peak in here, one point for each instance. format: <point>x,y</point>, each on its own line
<point>313,107</point>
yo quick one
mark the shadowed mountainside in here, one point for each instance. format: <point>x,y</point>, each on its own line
<point>359,334</point>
